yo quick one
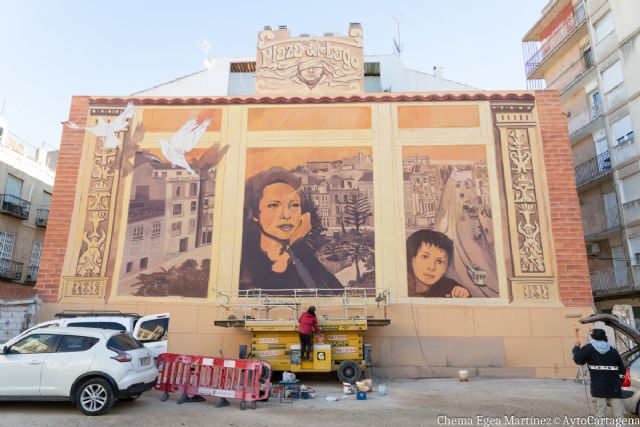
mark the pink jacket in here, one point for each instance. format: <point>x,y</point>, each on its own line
<point>308,324</point>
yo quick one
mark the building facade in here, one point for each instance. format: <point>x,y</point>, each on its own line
<point>332,193</point>
<point>589,52</point>
<point>26,181</point>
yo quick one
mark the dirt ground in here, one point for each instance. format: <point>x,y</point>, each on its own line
<point>407,403</point>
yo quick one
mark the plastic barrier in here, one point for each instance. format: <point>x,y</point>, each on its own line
<point>241,379</point>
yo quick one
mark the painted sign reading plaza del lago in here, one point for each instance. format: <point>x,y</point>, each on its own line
<point>452,215</point>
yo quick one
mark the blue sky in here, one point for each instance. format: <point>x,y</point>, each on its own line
<point>52,50</point>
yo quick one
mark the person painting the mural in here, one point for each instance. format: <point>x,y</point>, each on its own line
<point>307,325</point>
<point>276,251</point>
<point>429,254</point>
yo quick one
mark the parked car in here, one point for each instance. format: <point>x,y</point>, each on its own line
<point>151,330</point>
<point>91,367</point>
<point>627,342</point>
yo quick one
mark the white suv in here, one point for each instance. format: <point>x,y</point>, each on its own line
<point>151,330</point>
<point>90,367</point>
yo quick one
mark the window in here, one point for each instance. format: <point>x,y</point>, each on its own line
<point>612,76</point>
<point>603,27</point>
<point>588,57</point>
<point>164,174</point>
<point>144,263</point>
<point>142,192</point>
<point>73,343</point>
<point>6,246</point>
<point>177,209</point>
<point>206,203</point>
<point>193,189</point>
<point>194,206</point>
<point>184,243</point>
<point>192,225</point>
<point>122,342</point>
<point>137,233</point>
<point>36,343</point>
<point>46,199</point>
<point>178,191</point>
<point>156,228</point>
<point>14,186</point>
<point>630,188</point>
<point>176,228</point>
<point>337,199</point>
<point>36,251</point>
<point>622,130</point>
<point>129,267</point>
<point>153,330</point>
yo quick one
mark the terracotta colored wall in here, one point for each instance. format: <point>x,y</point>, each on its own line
<point>566,222</point>
<point>12,291</point>
<point>59,224</point>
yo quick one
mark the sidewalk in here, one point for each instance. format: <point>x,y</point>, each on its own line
<point>407,403</point>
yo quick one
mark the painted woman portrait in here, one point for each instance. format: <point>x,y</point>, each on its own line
<point>279,221</point>
<point>429,254</point>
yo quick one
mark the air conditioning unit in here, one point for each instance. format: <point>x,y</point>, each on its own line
<point>593,249</point>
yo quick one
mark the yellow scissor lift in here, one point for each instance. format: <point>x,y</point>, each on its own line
<point>343,318</point>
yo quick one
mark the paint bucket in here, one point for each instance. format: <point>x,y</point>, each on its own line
<point>361,395</point>
<point>463,375</point>
<point>346,387</point>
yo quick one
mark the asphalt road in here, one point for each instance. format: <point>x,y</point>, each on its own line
<point>407,403</point>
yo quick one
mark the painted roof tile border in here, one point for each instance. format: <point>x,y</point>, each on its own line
<point>227,100</point>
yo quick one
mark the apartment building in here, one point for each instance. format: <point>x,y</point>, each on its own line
<point>589,51</point>
<point>26,184</point>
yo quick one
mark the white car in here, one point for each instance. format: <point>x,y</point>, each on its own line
<point>91,367</point>
<point>151,330</point>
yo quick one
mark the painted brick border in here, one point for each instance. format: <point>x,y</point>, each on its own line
<point>566,221</point>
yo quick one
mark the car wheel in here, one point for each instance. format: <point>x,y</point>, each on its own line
<point>349,371</point>
<point>95,396</point>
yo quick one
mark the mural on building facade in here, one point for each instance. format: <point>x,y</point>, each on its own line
<point>449,227</point>
<point>167,250</point>
<point>308,219</point>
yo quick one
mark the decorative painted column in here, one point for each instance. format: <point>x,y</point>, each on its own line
<point>533,278</point>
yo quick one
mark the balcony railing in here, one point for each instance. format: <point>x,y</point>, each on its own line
<point>559,36</point>
<point>601,222</point>
<point>15,206</point>
<point>32,273</point>
<point>611,280</point>
<point>631,211</point>
<point>624,151</point>
<point>42,217</point>
<point>593,168</point>
<point>584,118</point>
<point>572,73</point>
<point>10,270</point>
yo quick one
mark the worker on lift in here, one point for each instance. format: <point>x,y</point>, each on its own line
<point>308,323</point>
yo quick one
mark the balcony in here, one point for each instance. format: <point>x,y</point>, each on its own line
<point>42,217</point>
<point>10,270</point>
<point>32,273</point>
<point>611,281</point>
<point>623,152</point>
<point>598,223</point>
<point>584,122</point>
<point>538,53</point>
<point>573,73</point>
<point>631,211</point>
<point>15,206</point>
<point>593,169</point>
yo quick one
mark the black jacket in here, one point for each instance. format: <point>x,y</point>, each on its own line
<point>606,370</point>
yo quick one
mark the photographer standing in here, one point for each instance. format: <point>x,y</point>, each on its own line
<point>606,370</point>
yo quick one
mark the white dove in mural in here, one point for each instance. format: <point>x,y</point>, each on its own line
<point>109,130</point>
<point>182,142</point>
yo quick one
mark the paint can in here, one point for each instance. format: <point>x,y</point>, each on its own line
<point>463,375</point>
<point>382,390</point>
<point>346,387</point>
<point>361,395</point>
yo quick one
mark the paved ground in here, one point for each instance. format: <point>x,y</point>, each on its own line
<point>407,403</point>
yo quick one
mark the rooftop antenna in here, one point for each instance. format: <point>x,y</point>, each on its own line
<point>397,43</point>
<point>205,47</point>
